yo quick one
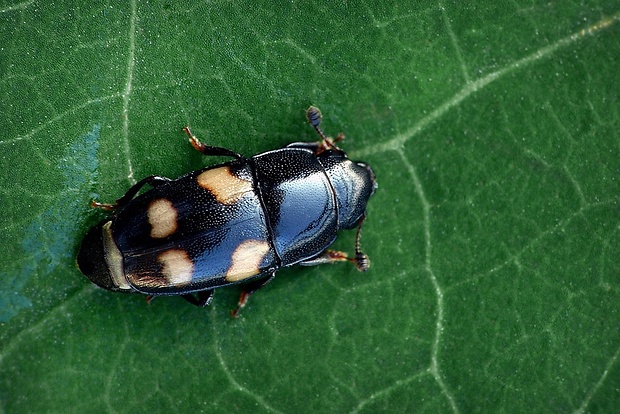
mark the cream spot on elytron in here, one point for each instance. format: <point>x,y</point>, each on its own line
<point>177,267</point>
<point>162,216</point>
<point>246,260</point>
<point>224,185</point>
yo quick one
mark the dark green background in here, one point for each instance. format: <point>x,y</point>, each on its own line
<point>494,235</point>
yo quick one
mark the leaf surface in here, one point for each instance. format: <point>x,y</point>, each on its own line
<point>493,235</point>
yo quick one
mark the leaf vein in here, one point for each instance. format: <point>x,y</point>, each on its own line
<point>455,43</point>
<point>471,88</point>
<point>434,368</point>
<point>236,384</point>
<point>59,117</point>
<point>612,361</point>
<point>18,6</point>
<point>131,63</point>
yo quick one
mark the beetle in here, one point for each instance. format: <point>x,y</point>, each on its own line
<point>235,222</point>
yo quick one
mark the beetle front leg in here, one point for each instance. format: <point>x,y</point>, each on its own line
<point>327,257</point>
<point>248,290</point>
<point>361,261</point>
<point>152,180</point>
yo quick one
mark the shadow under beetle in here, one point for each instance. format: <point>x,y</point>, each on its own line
<point>236,222</point>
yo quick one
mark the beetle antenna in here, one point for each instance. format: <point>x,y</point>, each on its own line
<point>362,263</point>
<point>314,116</point>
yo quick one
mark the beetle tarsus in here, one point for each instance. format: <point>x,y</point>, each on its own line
<point>243,298</point>
<point>249,289</point>
<point>208,149</point>
<point>104,206</point>
<point>152,180</point>
<point>201,299</point>
<point>339,137</point>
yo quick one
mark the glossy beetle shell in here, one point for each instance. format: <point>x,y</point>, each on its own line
<point>230,223</point>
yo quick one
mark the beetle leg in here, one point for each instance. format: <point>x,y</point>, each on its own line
<point>361,261</point>
<point>328,257</point>
<point>152,180</point>
<point>248,290</point>
<point>208,149</point>
<point>201,299</point>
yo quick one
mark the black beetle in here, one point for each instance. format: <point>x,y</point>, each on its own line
<point>235,222</point>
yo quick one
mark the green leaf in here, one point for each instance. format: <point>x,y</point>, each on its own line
<point>494,234</point>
